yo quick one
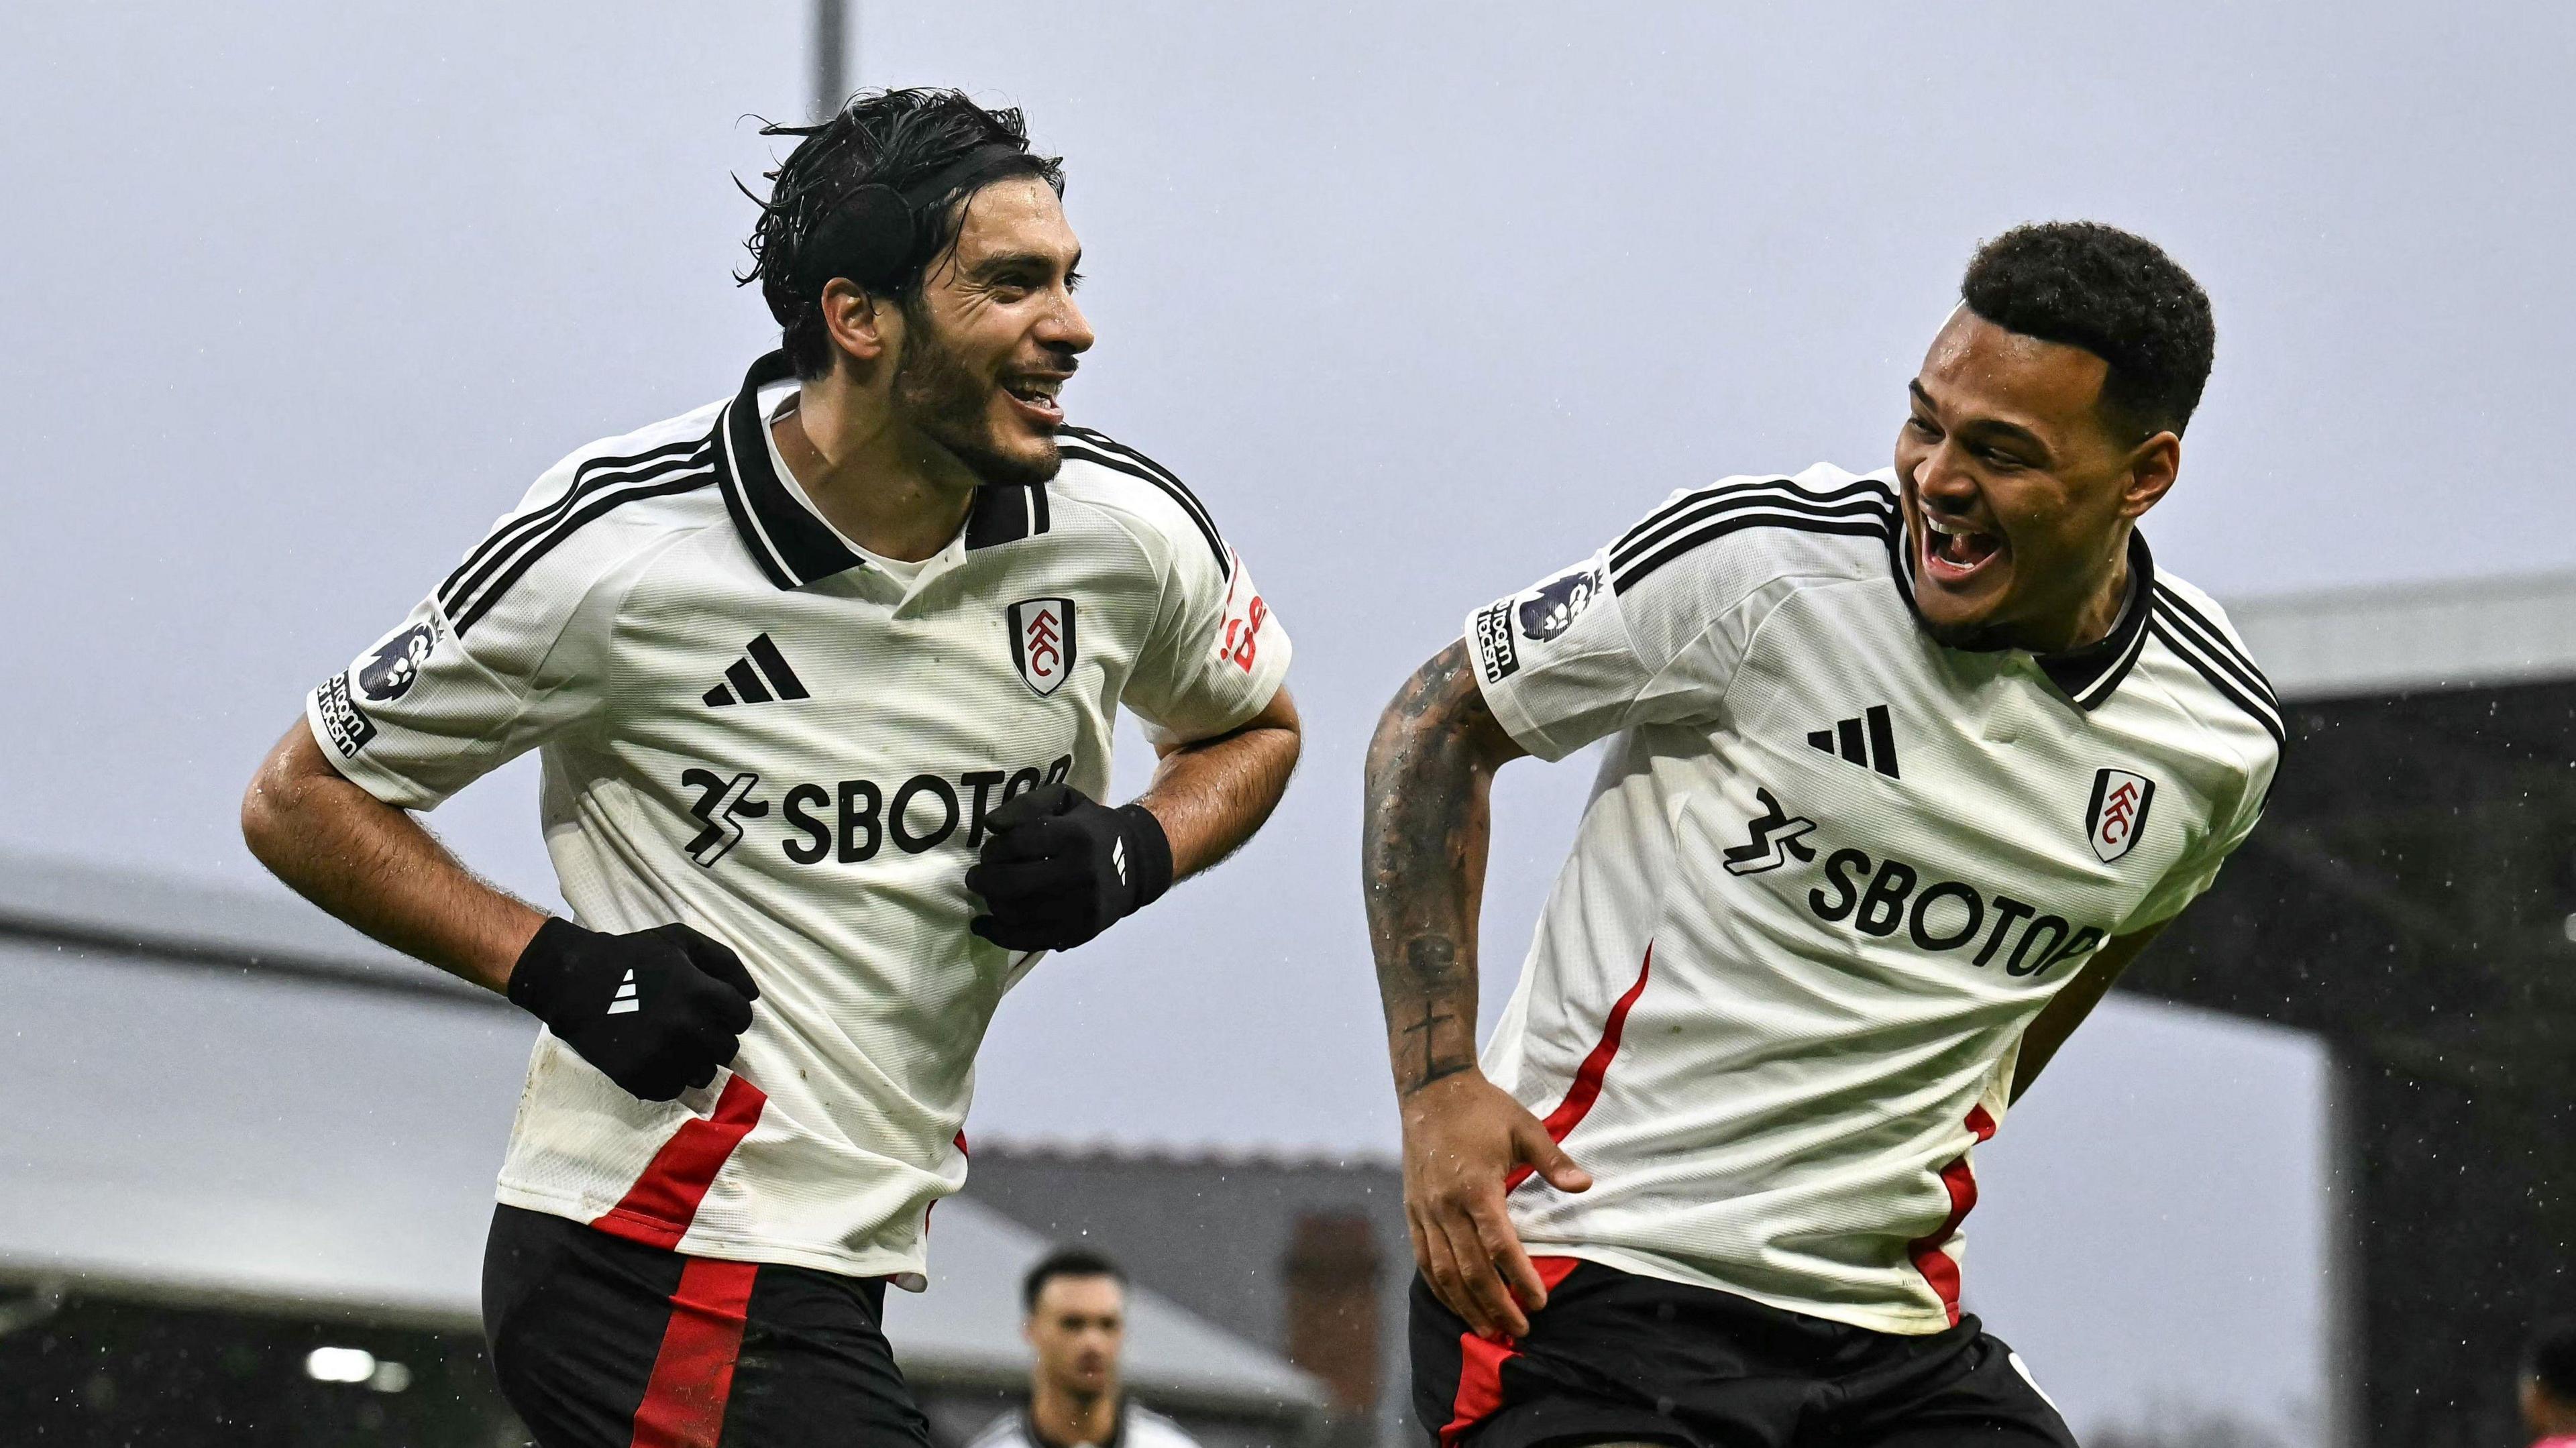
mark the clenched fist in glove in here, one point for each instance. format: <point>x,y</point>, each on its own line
<point>1058,868</point>
<point>656,1011</point>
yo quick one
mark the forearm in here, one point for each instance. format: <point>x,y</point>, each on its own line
<point>2074,1002</point>
<point>1425,823</point>
<point>1212,795</point>
<point>376,869</point>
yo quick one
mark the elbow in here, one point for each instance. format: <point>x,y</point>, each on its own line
<point>264,814</point>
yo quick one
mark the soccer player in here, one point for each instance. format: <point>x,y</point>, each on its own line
<point>823,677</point>
<point>1076,1303</point>
<point>1903,769</point>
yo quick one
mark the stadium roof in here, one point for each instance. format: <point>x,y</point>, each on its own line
<point>228,1099</point>
<point>2416,636</point>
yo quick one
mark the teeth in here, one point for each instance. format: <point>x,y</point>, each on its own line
<point>1947,530</point>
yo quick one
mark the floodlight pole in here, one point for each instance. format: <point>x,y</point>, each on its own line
<point>832,26</point>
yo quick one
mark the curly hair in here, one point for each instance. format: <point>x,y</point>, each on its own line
<point>2117,296</point>
<point>894,138</point>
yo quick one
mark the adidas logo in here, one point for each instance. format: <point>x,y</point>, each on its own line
<point>1869,741</point>
<point>760,675</point>
<point>626,1001</point>
<point>1118,857</point>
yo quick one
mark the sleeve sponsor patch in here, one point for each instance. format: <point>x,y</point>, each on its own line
<point>1494,648</point>
<point>342,719</point>
<point>396,665</point>
<point>1239,641</point>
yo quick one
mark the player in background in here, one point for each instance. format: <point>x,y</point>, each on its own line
<point>1076,1325</point>
<point>1903,769</point>
<point>823,675</point>
<point>2548,1386</point>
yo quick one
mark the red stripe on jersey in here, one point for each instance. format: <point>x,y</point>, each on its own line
<point>1480,1364</point>
<point>1937,1266</point>
<point>657,1210</point>
<point>684,1399</point>
<point>1587,1077</point>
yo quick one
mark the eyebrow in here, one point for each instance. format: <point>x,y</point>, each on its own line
<point>1988,425</point>
<point>1009,259</point>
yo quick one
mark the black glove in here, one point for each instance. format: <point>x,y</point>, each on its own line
<point>656,1011</point>
<point>1059,868</point>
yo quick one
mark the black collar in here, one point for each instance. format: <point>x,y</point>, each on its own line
<point>2088,675</point>
<point>793,546</point>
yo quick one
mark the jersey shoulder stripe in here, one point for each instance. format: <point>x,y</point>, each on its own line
<point>1861,511</point>
<point>1699,502</point>
<point>1087,445</point>
<point>491,554</point>
<point>2222,648</point>
<point>586,501</point>
<point>2221,677</point>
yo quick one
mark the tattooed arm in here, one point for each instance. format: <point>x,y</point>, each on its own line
<point>1425,822</point>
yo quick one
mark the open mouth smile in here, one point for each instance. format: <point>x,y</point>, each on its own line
<point>1035,398</point>
<point>1952,552</point>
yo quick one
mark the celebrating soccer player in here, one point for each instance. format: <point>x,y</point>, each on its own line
<point>823,677</point>
<point>1903,769</point>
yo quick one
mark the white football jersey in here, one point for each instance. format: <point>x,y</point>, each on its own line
<point>1137,1427</point>
<point>1830,871</point>
<point>747,728</point>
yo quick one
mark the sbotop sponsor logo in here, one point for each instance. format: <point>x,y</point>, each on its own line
<point>1886,898</point>
<point>851,821</point>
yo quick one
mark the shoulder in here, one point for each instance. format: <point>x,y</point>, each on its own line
<point>2209,670</point>
<point>603,508</point>
<point>1149,1429</point>
<point>1824,522</point>
<point>1102,473</point>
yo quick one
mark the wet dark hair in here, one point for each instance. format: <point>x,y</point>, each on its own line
<point>2117,296</point>
<point>1066,1262</point>
<point>2550,1359</point>
<point>892,138</point>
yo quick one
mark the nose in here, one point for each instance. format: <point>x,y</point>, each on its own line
<point>1065,328</point>
<point>1943,485</point>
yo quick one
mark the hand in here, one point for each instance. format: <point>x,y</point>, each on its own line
<point>1463,1135</point>
<point>657,1011</point>
<point>1058,869</point>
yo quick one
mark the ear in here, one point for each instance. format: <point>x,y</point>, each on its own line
<point>865,328</point>
<point>2152,470</point>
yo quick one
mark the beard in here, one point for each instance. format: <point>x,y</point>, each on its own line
<point>936,392</point>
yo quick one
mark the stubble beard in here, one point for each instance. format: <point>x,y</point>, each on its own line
<point>937,393</point>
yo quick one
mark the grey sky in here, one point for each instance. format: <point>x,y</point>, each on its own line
<point>1424,300</point>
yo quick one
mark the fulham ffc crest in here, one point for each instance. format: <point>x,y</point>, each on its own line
<point>2118,811</point>
<point>1042,642</point>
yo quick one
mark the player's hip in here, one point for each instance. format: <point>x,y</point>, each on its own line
<point>601,1342</point>
<point>1621,1355</point>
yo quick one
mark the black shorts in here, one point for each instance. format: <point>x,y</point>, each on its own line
<point>1618,1357</point>
<point>604,1343</point>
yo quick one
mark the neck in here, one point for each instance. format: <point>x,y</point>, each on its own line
<point>2093,617</point>
<point>1064,1416</point>
<point>885,486</point>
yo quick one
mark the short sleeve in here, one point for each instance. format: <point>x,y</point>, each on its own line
<point>483,670</point>
<point>1217,653</point>
<point>1630,635</point>
<point>2192,875</point>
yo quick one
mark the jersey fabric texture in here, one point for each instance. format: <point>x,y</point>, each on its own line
<point>1616,1357</point>
<point>746,729</point>
<point>1829,872</point>
<point>1137,1427</point>
<point>600,1342</point>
